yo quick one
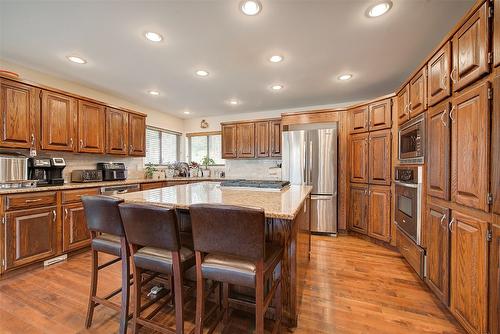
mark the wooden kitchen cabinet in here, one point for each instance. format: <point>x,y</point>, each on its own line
<point>403,105</point>
<point>470,49</point>
<point>137,135</point>
<point>245,140</point>
<point>75,232</point>
<point>495,146</point>
<point>262,139</point>
<point>228,141</point>
<point>58,122</point>
<point>438,251</point>
<point>438,75</point>
<point>469,272</point>
<point>276,130</point>
<point>379,157</point>
<point>418,93</point>
<point>495,277</point>
<point>379,211</point>
<point>91,127</point>
<point>18,109</point>
<point>438,151</point>
<point>358,119</point>
<point>116,131</point>
<point>496,33</point>
<point>359,157</point>
<point>358,208</point>
<point>30,235</point>
<point>470,119</point>
<point>379,114</point>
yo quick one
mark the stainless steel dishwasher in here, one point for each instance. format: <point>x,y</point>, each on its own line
<point>121,189</point>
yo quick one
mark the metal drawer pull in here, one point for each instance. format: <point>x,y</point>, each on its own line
<point>442,118</point>
<point>450,225</point>
<point>33,200</point>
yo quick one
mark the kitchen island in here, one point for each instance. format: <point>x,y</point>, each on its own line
<point>287,217</point>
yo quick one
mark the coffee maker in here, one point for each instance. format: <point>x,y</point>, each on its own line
<point>47,171</point>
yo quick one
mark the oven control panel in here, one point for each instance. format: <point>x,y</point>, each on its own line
<point>407,174</point>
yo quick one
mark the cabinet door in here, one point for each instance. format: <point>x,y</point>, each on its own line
<point>496,33</point>
<point>91,127</point>
<point>438,151</point>
<point>116,131</point>
<point>438,251</point>
<point>418,93</point>
<point>469,272</point>
<point>495,277</point>
<point>75,232</point>
<point>30,236</point>
<point>438,75</point>
<point>229,141</point>
<point>358,208</point>
<point>470,148</point>
<point>379,157</point>
<point>380,115</point>
<point>262,139</point>
<point>275,137</point>
<point>379,212</point>
<point>245,140</point>
<point>17,115</point>
<point>495,146</point>
<point>137,135</point>
<point>359,157</point>
<point>403,104</point>
<point>358,119</point>
<point>58,122</point>
<point>470,50</point>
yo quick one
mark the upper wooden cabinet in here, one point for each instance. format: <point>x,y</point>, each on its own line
<point>469,272</point>
<point>379,157</point>
<point>358,208</point>
<point>137,135</point>
<point>91,127</point>
<point>496,33</point>
<point>58,122</point>
<point>438,151</point>
<point>495,147</point>
<point>359,157</point>
<point>245,139</point>
<point>418,93</point>
<point>470,49</point>
<point>275,137</point>
<point>358,119</point>
<point>116,131</point>
<point>18,108</point>
<point>379,114</point>
<point>228,141</point>
<point>470,118</point>
<point>262,139</point>
<point>379,212</point>
<point>403,104</point>
<point>438,75</point>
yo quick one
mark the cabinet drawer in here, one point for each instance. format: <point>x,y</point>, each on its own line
<point>411,252</point>
<point>31,200</point>
<point>152,185</point>
<point>71,196</point>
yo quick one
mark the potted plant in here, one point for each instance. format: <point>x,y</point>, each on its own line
<point>149,170</point>
<point>194,169</point>
<point>207,162</point>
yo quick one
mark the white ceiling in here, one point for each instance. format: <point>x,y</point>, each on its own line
<point>319,40</point>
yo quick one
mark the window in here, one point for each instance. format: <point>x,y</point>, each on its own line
<point>205,145</point>
<point>162,146</point>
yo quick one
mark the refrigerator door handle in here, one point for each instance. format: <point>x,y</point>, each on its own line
<point>321,197</point>
<point>305,164</point>
<point>310,162</point>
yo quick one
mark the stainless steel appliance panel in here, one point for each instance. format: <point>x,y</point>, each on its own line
<point>294,158</point>
<point>13,167</point>
<point>322,158</point>
<point>115,190</point>
<point>324,214</point>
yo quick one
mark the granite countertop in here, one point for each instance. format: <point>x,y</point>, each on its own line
<point>283,204</point>
<point>77,185</point>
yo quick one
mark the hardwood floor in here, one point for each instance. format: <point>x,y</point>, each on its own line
<point>352,286</point>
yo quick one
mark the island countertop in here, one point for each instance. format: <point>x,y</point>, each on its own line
<point>284,204</point>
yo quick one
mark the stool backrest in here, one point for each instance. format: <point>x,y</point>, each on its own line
<point>151,226</point>
<point>102,214</point>
<point>230,230</point>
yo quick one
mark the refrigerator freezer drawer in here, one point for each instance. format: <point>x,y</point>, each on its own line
<point>324,213</point>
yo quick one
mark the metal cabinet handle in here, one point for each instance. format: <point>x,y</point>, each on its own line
<point>453,78</point>
<point>451,114</point>
<point>65,212</point>
<point>442,118</point>
<point>81,143</point>
<point>450,225</point>
<point>32,139</point>
<point>32,200</point>
<point>71,142</point>
<point>442,219</point>
<point>54,216</point>
<point>409,108</point>
<point>130,149</point>
<point>445,80</point>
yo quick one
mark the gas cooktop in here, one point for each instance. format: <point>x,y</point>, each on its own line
<point>255,184</point>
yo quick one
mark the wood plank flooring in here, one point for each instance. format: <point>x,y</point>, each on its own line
<point>352,286</point>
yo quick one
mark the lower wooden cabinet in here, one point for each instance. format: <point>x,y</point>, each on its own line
<point>413,254</point>
<point>495,277</point>
<point>358,209</point>
<point>153,185</point>
<point>469,272</point>
<point>75,232</point>
<point>30,235</point>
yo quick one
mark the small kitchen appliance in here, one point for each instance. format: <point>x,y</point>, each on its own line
<point>86,175</point>
<point>14,171</point>
<point>412,141</point>
<point>112,171</point>
<point>46,171</point>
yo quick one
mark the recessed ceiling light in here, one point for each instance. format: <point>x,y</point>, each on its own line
<point>76,59</point>
<point>345,77</point>
<point>277,87</point>
<point>187,112</point>
<point>251,7</point>
<point>379,9</point>
<point>202,73</point>
<point>234,102</point>
<point>276,59</point>
<point>153,36</point>
<point>154,92</point>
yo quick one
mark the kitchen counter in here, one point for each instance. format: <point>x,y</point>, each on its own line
<point>283,204</point>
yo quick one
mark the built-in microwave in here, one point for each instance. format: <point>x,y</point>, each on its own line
<point>412,141</point>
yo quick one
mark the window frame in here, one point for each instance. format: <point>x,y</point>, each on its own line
<point>178,144</point>
<point>202,134</point>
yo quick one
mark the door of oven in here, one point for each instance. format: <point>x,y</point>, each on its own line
<point>407,209</point>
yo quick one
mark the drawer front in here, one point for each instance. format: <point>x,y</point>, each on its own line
<point>31,200</point>
<point>152,185</point>
<point>411,252</point>
<point>75,196</point>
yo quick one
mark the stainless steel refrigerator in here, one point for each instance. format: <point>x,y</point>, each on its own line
<point>310,157</point>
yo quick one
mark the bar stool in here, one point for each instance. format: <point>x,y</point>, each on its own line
<point>230,247</point>
<point>106,229</point>
<point>153,235</point>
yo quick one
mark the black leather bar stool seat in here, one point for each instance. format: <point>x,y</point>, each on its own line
<point>107,243</point>
<point>160,260</point>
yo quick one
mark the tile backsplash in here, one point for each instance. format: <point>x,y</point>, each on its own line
<point>258,169</point>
